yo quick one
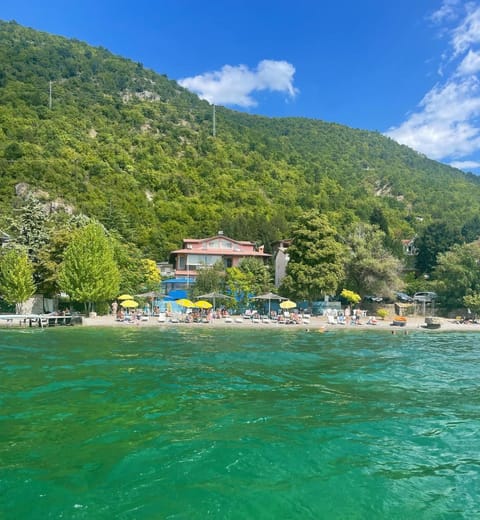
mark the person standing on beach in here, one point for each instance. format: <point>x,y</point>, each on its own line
<point>347,315</point>
<point>114,308</point>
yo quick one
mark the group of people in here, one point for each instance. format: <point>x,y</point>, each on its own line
<point>281,317</point>
<point>125,315</point>
<point>347,317</point>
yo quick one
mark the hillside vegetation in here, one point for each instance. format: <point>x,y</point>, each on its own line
<point>135,150</point>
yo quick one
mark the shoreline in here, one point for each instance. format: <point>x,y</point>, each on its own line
<point>416,323</point>
<point>317,323</point>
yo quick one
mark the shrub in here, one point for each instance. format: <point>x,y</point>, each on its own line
<point>382,313</point>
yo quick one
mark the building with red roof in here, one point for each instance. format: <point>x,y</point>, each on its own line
<point>205,252</point>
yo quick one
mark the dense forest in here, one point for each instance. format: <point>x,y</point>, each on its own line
<point>105,137</point>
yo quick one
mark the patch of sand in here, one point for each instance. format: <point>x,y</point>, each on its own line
<point>314,323</point>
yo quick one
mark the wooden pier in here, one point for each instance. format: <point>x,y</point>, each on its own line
<point>40,320</point>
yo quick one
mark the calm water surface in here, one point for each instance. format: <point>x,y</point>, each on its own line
<point>238,424</point>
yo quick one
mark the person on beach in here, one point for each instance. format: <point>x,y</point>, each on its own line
<point>347,315</point>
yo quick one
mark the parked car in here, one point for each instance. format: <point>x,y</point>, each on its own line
<point>370,298</point>
<point>403,297</point>
<point>426,297</point>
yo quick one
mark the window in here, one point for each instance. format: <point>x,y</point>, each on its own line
<point>202,260</point>
<point>218,244</point>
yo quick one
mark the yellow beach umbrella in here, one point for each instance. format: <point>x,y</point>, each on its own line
<point>183,302</point>
<point>202,304</point>
<point>129,304</point>
<point>125,297</point>
<point>288,304</point>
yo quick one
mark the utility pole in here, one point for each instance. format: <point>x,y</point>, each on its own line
<point>50,95</point>
<point>214,123</point>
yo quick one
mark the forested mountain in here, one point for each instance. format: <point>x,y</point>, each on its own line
<point>135,150</point>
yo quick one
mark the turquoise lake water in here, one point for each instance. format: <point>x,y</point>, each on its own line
<point>192,423</point>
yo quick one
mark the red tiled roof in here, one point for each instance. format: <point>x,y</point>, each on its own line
<point>220,252</point>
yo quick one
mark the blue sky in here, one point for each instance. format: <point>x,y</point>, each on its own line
<point>408,69</point>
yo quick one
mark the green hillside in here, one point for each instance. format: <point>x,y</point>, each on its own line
<point>136,150</point>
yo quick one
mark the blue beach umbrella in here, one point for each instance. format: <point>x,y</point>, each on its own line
<point>176,294</point>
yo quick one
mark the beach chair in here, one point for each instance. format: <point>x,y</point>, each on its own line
<point>331,320</point>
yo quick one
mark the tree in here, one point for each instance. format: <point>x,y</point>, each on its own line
<point>128,259</point>
<point>209,279</point>
<point>377,218</point>
<point>16,278</point>
<point>152,276</point>
<point>49,259</point>
<point>457,274</point>
<point>13,152</point>
<point>50,255</point>
<point>316,259</point>
<point>260,274</point>
<point>30,227</point>
<point>89,273</point>
<point>240,284</point>
<point>371,268</point>
<point>472,301</point>
<point>352,297</point>
<point>471,229</point>
<point>436,238</point>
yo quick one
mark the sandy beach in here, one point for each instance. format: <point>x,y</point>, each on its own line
<point>416,323</point>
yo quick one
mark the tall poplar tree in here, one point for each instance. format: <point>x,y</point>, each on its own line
<point>16,278</point>
<point>89,273</point>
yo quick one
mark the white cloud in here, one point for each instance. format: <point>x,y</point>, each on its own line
<point>468,32</point>
<point>470,64</point>
<point>447,11</point>
<point>234,85</point>
<point>446,123</point>
<point>465,165</point>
